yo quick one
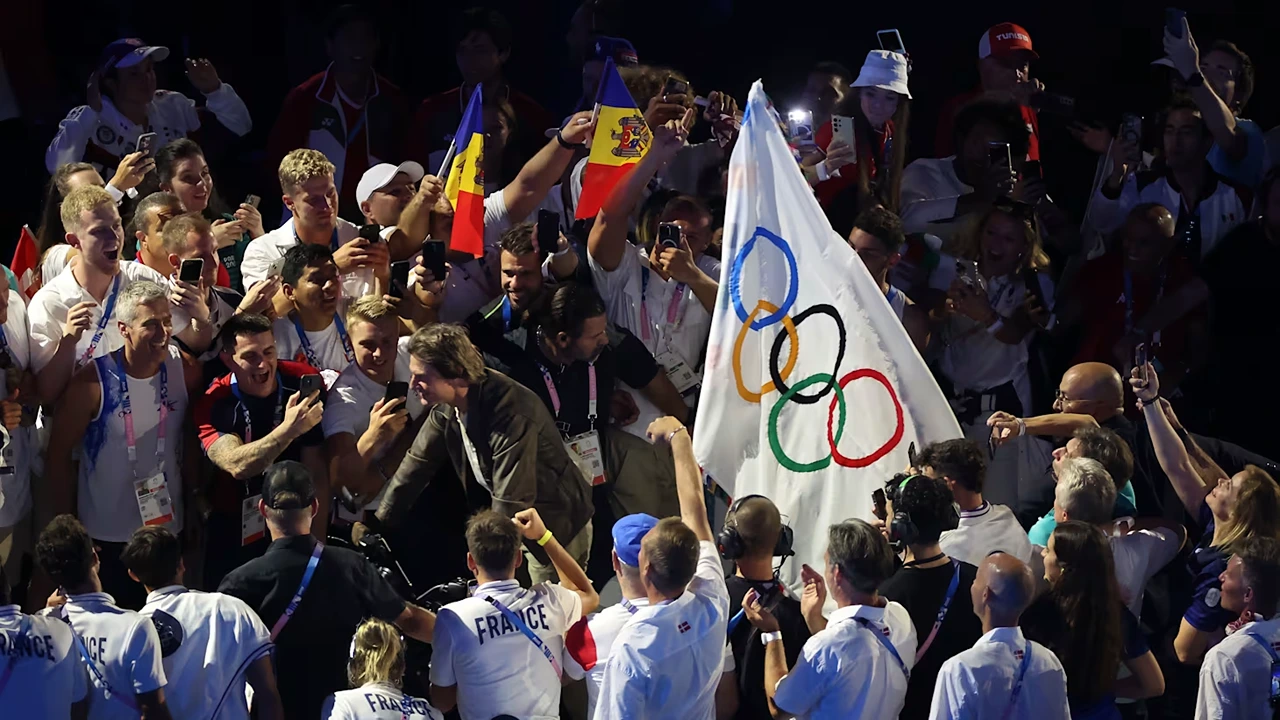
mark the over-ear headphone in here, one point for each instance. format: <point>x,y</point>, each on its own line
<point>902,529</point>
<point>731,544</point>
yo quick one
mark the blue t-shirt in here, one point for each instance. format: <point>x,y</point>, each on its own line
<point>1126,506</point>
<point>1248,170</point>
<point>1206,613</point>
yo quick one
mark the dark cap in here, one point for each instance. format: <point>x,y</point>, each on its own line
<point>622,51</point>
<point>127,52</point>
<point>287,485</point>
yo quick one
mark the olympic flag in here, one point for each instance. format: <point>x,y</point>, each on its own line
<point>812,391</point>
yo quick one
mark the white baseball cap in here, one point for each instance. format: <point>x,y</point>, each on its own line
<point>378,176</point>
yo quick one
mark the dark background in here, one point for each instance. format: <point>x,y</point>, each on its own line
<point>1098,52</point>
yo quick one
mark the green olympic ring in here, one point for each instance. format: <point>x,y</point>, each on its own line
<point>778,452</point>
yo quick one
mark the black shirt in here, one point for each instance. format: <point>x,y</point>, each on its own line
<point>748,653</point>
<point>921,591</point>
<point>516,352</point>
<point>312,649</point>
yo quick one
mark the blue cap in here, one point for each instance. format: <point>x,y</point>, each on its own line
<point>622,51</point>
<point>627,534</point>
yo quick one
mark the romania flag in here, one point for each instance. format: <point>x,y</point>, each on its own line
<point>465,184</point>
<point>621,139</point>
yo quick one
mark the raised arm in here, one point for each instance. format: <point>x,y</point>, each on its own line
<point>1005,427</point>
<point>1170,451</point>
<point>245,460</point>
<point>415,219</point>
<point>693,507</point>
<point>571,574</point>
<point>1217,116</point>
<point>545,169</point>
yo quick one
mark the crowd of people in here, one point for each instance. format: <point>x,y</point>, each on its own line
<point>338,409</point>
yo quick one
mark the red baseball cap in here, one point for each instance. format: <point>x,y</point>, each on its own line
<point>1005,39</point>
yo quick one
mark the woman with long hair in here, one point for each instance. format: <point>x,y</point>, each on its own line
<point>1083,620</point>
<point>376,672</point>
<point>181,169</point>
<point>1229,511</point>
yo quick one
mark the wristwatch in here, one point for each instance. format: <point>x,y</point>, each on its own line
<point>1196,80</point>
<point>766,638</point>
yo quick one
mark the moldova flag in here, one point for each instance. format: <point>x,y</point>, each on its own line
<point>465,184</point>
<point>621,138</point>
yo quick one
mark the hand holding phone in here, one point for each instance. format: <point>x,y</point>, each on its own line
<point>674,86</point>
<point>310,384</point>
<point>891,40</point>
<point>800,123</point>
<point>1140,362</point>
<point>191,270</point>
<point>548,233</point>
<point>433,258</point>
<point>146,144</point>
<point>1173,18</point>
<point>252,200</point>
<point>396,390</point>
<point>842,130</point>
<point>669,235</point>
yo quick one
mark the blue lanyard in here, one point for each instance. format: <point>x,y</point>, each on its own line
<point>297,596</point>
<point>93,668</point>
<point>107,313</point>
<point>355,129</point>
<point>1017,683</point>
<point>347,351</point>
<point>875,632</point>
<point>248,420</point>
<point>520,625</point>
<point>506,313</point>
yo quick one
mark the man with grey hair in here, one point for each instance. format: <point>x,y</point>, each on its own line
<point>498,436</point>
<point>858,661</point>
<point>974,682</point>
<point>115,458</point>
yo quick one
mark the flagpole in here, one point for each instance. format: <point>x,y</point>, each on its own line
<point>448,160</point>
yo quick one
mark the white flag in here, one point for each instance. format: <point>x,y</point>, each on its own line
<point>812,391</point>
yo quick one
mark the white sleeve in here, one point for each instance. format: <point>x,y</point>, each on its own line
<point>617,284</point>
<point>1216,699</point>
<point>73,135</point>
<point>623,692</point>
<point>230,110</point>
<point>442,649</point>
<point>331,711</point>
<point>708,577</point>
<point>802,687</point>
<point>1159,546</point>
<point>341,413</point>
<point>142,655</point>
<point>1055,691</point>
<point>251,633</point>
<point>45,328</point>
<point>1106,214</point>
<point>496,220</point>
<point>949,693</point>
<point>256,261</point>
<point>567,602</point>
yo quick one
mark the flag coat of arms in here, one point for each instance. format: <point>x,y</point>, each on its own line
<point>620,139</point>
<point>465,185</point>
<point>812,391</point>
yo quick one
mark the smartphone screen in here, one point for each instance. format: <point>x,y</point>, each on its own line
<point>190,270</point>
<point>998,154</point>
<point>396,389</point>
<point>675,86</point>
<point>890,40</point>
<point>800,123</point>
<point>669,235</point>
<point>433,258</point>
<point>399,278</point>
<point>1173,21</point>
<point>548,233</point>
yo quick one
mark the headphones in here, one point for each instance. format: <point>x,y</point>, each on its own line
<point>902,529</point>
<point>731,544</point>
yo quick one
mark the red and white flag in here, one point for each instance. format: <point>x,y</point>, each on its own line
<point>26,264</point>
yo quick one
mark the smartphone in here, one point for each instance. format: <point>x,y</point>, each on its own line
<point>276,268</point>
<point>548,233</point>
<point>146,143</point>
<point>1173,18</point>
<point>800,123</point>
<point>399,278</point>
<point>433,258</point>
<point>396,389</point>
<point>1140,361</point>
<point>842,129</point>
<point>190,270</point>
<point>1054,104</point>
<point>998,154</point>
<point>309,384</point>
<point>669,235</point>
<point>371,232</point>
<point>252,200</point>
<point>967,271</point>
<point>891,40</point>
<point>675,86</point>
<point>878,501</point>
<point>1131,130</point>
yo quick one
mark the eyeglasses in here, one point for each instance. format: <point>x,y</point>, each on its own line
<point>1061,397</point>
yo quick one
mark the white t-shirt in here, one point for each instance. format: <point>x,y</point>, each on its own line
<point>207,641</point>
<point>328,347</point>
<point>590,643</point>
<point>108,501</point>
<point>354,394</point>
<point>1235,677</point>
<point>930,189</point>
<point>376,701</point>
<point>978,682</point>
<point>15,465</point>
<point>667,661</point>
<point>47,313</point>
<point>123,650</point>
<point>42,664</point>
<point>268,248</point>
<point>981,532</point>
<point>497,669</point>
<point>846,672</point>
<point>1139,556</point>
<point>54,262</point>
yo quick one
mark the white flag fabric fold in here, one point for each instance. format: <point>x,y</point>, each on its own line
<point>812,390</point>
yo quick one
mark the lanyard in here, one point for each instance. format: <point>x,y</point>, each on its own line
<point>297,596</point>
<point>248,419</point>
<point>555,395</point>
<point>355,129</point>
<point>107,313</point>
<point>887,645</point>
<point>126,406</point>
<point>93,668</point>
<point>942,611</point>
<point>506,313</point>
<point>1017,683</point>
<point>673,307</point>
<point>347,352</point>
<point>520,625</point>
<point>626,605</point>
<point>1128,298</point>
<point>24,628</point>
<point>333,240</point>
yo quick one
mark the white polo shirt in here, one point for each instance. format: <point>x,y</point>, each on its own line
<point>1139,556</point>
<point>1235,677</point>
<point>15,464</point>
<point>42,665</point>
<point>988,529</point>
<point>845,672</point>
<point>123,652</point>
<point>327,346</point>
<point>497,669</point>
<point>590,643</point>
<point>207,641</point>
<point>108,500</point>
<point>667,661</point>
<point>376,701</point>
<point>268,248</point>
<point>978,683</point>
<point>47,313</point>
<point>54,262</point>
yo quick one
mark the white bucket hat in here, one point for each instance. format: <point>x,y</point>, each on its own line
<point>884,69</point>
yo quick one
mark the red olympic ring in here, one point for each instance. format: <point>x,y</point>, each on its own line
<point>883,449</point>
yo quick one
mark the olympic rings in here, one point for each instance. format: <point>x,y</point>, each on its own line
<point>776,445</point>
<point>754,397</point>
<point>778,378</point>
<point>735,280</point>
<point>879,452</point>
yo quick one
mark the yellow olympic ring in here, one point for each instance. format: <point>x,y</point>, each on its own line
<point>754,397</point>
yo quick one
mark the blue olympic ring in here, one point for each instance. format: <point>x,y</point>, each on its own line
<point>735,280</point>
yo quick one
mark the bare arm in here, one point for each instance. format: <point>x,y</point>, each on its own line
<point>245,460</point>
<point>151,705</point>
<point>916,322</point>
<point>417,623</point>
<point>415,220</point>
<point>1221,122</point>
<point>1145,679</point>
<point>693,508</point>
<point>1059,424</point>
<point>53,378</point>
<point>72,418</point>
<point>663,394</point>
<point>444,698</point>
<point>705,289</point>
<point>1191,644</point>
<point>572,577</point>
<point>564,263</point>
<point>266,696</point>
<point>1173,457</point>
<point>775,668</point>
<point>544,170</point>
<point>727,700</point>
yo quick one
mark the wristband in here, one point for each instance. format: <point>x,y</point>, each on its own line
<point>566,144</point>
<point>546,538</point>
<point>766,638</point>
<point>671,435</point>
<point>823,173</point>
<point>995,327</point>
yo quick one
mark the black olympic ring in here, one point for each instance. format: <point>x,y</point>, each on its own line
<point>774,372</point>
